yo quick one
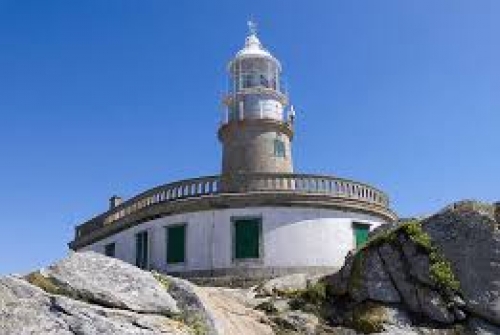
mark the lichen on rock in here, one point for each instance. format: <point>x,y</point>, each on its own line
<point>368,318</point>
<point>397,266</point>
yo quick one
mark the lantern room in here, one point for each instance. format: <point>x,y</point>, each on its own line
<point>255,89</point>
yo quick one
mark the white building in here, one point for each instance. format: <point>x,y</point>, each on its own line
<point>258,218</point>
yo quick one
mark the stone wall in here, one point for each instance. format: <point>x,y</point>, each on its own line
<point>248,147</point>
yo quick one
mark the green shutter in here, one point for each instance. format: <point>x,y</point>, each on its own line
<point>247,236</point>
<point>146,249</point>
<point>361,234</point>
<point>176,244</point>
<point>109,250</point>
<point>141,249</point>
<point>138,249</point>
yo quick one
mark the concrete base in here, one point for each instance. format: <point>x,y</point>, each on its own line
<point>247,277</point>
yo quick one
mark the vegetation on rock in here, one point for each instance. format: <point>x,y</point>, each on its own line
<point>162,280</point>
<point>267,307</point>
<point>46,284</point>
<point>441,271</point>
<point>356,280</point>
<point>368,318</point>
<point>310,299</point>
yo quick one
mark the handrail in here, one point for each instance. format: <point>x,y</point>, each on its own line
<point>244,183</point>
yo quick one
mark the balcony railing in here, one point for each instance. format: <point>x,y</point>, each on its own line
<point>306,183</point>
<point>260,182</point>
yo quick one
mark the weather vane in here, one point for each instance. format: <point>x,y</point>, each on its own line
<point>252,27</point>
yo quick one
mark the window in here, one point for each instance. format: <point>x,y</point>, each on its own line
<point>247,81</point>
<point>264,81</point>
<point>233,113</point>
<point>109,250</point>
<point>247,238</point>
<point>279,148</point>
<point>176,244</point>
<point>141,250</point>
<point>361,232</point>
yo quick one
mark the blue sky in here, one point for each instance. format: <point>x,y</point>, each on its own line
<point>103,97</point>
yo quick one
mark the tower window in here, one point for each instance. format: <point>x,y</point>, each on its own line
<point>141,250</point>
<point>279,148</point>
<point>361,232</point>
<point>109,249</point>
<point>247,238</point>
<point>176,244</point>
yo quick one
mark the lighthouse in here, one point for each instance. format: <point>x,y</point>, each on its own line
<point>258,218</point>
<point>255,132</point>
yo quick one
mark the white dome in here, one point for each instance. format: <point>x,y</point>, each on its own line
<point>253,49</point>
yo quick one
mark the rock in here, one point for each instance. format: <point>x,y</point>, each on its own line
<point>338,283</point>
<point>396,317</point>
<point>380,230</point>
<point>109,282</point>
<point>459,314</point>
<point>273,305</point>
<point>472,206</point>
<point>298,322</point>
<point>27,309</point>
<point>371,317</point>
<point>398,331</point>
<point>396,268</point>
<point>231,315</point>
<point>419,263</point>
<point>290,283</point>
<point>323,330</point>
<point>424,262</point>
<point>481,327</point>
<point>377,284</point>
<point>216,310</point>
<point>471,242</point>
<point>369,279</point>
<point>71,302</point>
<point>457,301</point>
<point>195,311</point>
<point>433,306</point>
<point>281,305</point>
<point>82,318</point>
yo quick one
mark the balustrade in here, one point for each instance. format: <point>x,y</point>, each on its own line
<point>260,182</point>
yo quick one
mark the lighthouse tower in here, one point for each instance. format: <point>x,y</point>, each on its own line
<point>255,133</point>
<point>259,218</point>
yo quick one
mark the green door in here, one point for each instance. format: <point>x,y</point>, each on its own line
<point>361,232</point>
<point>109,250</point>
<point>176,244</point>
<point>247,238</point>
<point>141,250</point>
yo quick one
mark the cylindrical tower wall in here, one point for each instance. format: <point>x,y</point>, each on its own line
<point>256,146</point>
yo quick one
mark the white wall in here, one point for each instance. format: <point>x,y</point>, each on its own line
<point>291,237</point>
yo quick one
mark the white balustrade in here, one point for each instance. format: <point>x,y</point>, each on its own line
<point>262,182</point>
